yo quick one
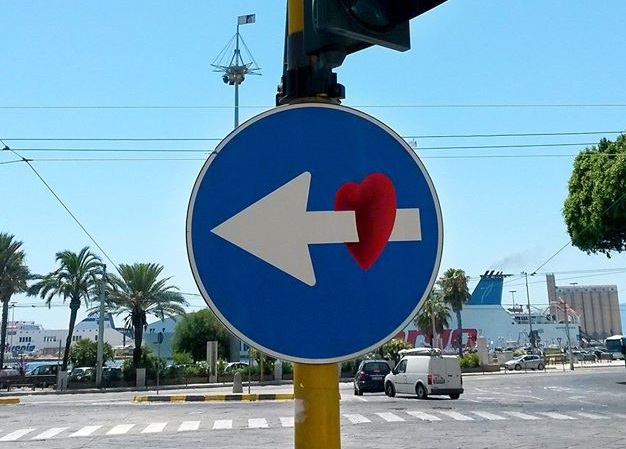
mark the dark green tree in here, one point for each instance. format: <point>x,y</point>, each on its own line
<point>595,208</point>
<point>195,329</point>
<point>454,291</point>
<point>73,280</point>
<point>138,292</point>
<point>84,352</point>
<point>433,310</point>
<point>14,275</point>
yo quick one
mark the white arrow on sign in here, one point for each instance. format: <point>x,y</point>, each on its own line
<point>278,228</point>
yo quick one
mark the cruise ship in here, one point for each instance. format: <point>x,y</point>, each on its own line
<point>509,326</point>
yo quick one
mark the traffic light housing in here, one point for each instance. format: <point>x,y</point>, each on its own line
<point>347,26</point>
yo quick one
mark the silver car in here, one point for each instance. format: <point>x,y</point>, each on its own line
<point>525,362</point>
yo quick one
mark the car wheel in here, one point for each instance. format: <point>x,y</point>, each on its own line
<point>356,392</point>
<point>421,392</point>
<point>540,367</point>
<point>455,396</point>
<point>518,367</point>
<point>390,390</point>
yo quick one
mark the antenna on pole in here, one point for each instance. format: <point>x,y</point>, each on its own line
<point>236,68</point>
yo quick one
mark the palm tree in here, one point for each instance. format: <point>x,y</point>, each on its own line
<point>13,277</point>
<point>433,311</point>
<point>453,285</point>
<point>138,292</point>
<point>73,280</point>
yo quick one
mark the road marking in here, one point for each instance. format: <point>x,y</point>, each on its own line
<point>390,417</point>
<point>154,427</point>
<point>188,425</point>
<point>619,415</point>
<point>223,424</point>
<point>257,423</point>
<point>16,434</point>
<point>591,415</point>
<point>356,419</point>
<point>120,429</point>
<point>489,416</point>
<point>522,416</point>
<point>49,433</point>
<point>85,431</point>
<point>456,415</point>
<point>555,415</point>
<point>286,422</point>
<point>423,416</point>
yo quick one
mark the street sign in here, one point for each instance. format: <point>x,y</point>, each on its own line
<point>314,232</point>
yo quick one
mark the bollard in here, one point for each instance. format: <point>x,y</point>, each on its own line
<point>237,384</point>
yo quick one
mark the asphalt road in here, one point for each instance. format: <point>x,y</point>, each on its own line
<point>519,410</point>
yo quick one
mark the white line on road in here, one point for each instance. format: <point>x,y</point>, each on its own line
<point>223,424</point>
<point>356,418</point>
<point>49,433</point>
<point>423,416</point>
<point>489,416</point>
<point>390,417</point>
<point>154,427</point>
<point>286,422</point>
<point>120,429</point>
<point>188,425</point>
<point>555,415</point>
<point>257,423</point>
<point>456,415</point>
<point>17,434</point>
<point>522,416</point>
<point>591,415</point>
<point>85,431</point>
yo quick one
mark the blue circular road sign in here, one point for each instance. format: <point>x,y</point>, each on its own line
<point>314,233</point>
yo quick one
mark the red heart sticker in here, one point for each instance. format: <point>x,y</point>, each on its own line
<point>374,204</point>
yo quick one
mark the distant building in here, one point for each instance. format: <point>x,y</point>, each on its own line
<point>596,305</point>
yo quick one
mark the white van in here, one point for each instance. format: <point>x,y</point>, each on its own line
<point>423,372</point>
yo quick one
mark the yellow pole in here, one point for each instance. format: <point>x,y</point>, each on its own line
<point>316,392</point>
<point>295,16</point>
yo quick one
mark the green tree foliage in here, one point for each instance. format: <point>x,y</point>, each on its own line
<point>137,293</point>
<point>13,277</point>
<point>433,307</point>
<point>148,360</point>
<point>454,291</point>
<point>85,353</point>
<point>392,348</point>
<point>73,280</point>
<point>195,329</point>
<point>595,209</point>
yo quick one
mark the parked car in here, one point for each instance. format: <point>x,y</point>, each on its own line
<point>425,373</point>
<point>9,376</point>
<point>525,362</point>
<point>83,374</point>
<point>43,375</point>
<point>235,366</point>
<point>603,355</point>
<point>370,377</point>
<point>583,356</point>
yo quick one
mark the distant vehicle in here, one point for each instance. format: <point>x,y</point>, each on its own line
<point>43,375</point>
<point>235,366</point>
<point>83,374</point>
<point>425,372</point>
<point>603,355</point>
<point>584,356</point>
<point>370,377</point>
<point>614,346</point>
<point>9,376</point>
<point>525,362</point>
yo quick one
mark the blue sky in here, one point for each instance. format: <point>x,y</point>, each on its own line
<point>70,70</point>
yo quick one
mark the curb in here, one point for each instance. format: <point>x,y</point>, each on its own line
<point>9,401</point>
<point>214,397</point>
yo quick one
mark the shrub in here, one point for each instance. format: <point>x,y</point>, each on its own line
<point>469,360</point>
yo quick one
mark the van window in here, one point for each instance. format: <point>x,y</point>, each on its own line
<point>401,368</point>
